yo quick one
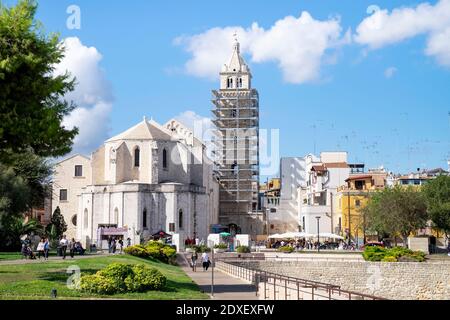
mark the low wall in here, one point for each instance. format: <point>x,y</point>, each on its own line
<point>391,280</point>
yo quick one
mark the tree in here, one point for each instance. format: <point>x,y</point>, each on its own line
<point>13,227</point>
<point>14,193</point>
<point>57,226</point>
<point>31,97</point>
<point>437,195</point>
<point>397,211</point>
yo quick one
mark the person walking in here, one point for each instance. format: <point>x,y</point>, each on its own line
<point>46,249</point>
<point>71,247</point>
<point>110,244</point>
<point>128,242</point>
<point>194,259</point>
<point>40,248</point>
<point>120,246</point>
<point>113,245</point>
<point>205,261</point>
<point>64,243</point>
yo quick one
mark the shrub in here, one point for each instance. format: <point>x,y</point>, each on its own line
<point>202,248</point>
<point>221,246</point>
<point>154,249</point>
<point>118,277</point>
<point>389,259</point>
<point>243,249</point>
<point>400,254</point>
<point>144,278</point>
<point>286,249</point>
<point>137,251</point>
<point>98,284</point>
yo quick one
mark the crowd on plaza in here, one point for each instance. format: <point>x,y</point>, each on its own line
<point>304,244</point>
<point>44,246</point>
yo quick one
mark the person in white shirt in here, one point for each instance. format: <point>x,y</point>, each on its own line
<point>205,261</point>
<point>40,248</point>
<point>64,243</point>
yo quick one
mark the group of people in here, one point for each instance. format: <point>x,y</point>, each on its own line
<point>205,261</point>
<point>302,244</point>
<point>113,244</point>
<point>42,249</point>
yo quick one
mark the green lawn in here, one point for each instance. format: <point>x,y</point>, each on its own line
<point>36,280</point>
<point>10,256</point>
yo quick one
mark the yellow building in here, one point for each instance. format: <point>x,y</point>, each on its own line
<point>352,198</point>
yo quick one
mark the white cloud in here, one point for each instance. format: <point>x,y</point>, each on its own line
<point>92,95</point>
<point>298,45</point>
<point>383,28</point>
<point>390,72</point>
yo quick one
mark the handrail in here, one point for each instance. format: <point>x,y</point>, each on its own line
<point>257,276</point>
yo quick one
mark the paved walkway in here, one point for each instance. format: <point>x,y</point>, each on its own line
<point>226,287</point>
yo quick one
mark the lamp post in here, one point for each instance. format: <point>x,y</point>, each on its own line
<point>318,234</point>
<point>211,245</point>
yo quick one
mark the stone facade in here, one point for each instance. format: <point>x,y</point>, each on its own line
<point>391,280</point>
<point>149,178</point>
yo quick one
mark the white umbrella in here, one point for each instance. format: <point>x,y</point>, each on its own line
<point>275,236</point>
<point>328,235</point>
<point>297,235</point>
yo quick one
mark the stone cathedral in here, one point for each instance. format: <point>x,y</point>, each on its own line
<point>236,141</point>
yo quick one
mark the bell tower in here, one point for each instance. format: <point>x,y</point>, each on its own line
<point>236,146</point>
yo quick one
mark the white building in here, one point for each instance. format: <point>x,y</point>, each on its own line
<point>318,199</point>
<point>149,178</point>
<point>308,188</point>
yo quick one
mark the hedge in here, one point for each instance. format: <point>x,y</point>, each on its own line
<point>119,278</point>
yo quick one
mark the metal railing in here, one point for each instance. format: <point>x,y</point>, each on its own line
<point>268,285</point>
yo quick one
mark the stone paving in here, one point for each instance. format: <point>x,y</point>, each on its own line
<point>226,287</point>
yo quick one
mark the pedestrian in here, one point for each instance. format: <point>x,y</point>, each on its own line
<point>128,242</point>
<point>194,259</point>
<point>109,244</point>
<point>40,248</point>
<point>113,245</point>
<point>205,261</point>
<point>120,245</point>
<point>64,243</point>
<point>46,249</point>
<point>71,247</point>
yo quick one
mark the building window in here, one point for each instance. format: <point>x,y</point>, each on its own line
<point>116,216</point>
<point>74,220</point>
<point>137,154</point>
<point>357,203</point>
<point>78,171</point>
<point>239,83</point>
<point>144,218</point>
<point>304,223</point>
<point>230,83</point>
<point>63,195</point>
<point>165,159</point>
<point>359,184</point>
<point>86,217</point>
<point>180,219</point>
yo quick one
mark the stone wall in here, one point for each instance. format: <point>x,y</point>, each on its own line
<point>391,280</point>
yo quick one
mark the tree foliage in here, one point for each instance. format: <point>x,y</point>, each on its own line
<point>13,227</point>
<point>437,195</point>
<point>397,211</point>
<point>57,226</point>
<point>31,97</point>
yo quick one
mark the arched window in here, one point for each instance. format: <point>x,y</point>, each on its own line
<point>144,218</point>
<point>137,155</point>
<point>165,159</point>
<point>74,220</point>
<point>116,216</point>
<point>86,217</point>
<point>180,219</point>
<point>239,84</point>
<point>230,83</point>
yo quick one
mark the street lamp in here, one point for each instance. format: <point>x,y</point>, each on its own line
<point>318,234</point>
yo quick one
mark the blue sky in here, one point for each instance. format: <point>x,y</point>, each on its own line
<point>401,122</point>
